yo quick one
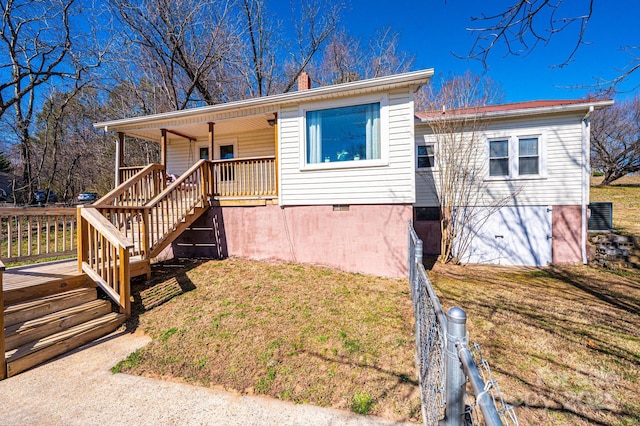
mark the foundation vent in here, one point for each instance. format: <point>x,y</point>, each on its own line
<point>601,217</point>
<point>340,207</point>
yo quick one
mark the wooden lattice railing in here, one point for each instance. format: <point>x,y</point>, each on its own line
<point>103,254</point>
<point>247,177</point>
<point>32,233</point>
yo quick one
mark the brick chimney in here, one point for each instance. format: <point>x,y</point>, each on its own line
<point>304,81</point>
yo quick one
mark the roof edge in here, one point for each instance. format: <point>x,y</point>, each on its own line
<point>540,110</point>
<point>410,78</point>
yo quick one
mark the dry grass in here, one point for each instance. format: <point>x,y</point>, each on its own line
<point>625,195</point>
<point>564,343</point>
<point>301,333</point>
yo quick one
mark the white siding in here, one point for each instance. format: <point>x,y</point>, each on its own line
<point>380,184</point>
<point>562,151</point>
<point>181,154</point>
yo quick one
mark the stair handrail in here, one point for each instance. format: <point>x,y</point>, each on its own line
<point>103,254</point>
<point>197,182</point>
<point>3,364</point>
<point>153,173</point>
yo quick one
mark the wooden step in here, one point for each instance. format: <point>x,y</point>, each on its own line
<point>25,311</point>
<point>34,329</point>
<point>37,352</point>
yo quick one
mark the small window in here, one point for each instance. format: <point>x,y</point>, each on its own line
<point>227,171</point>
<point>425,214</point>
<point>426,157</point>
<point>348,133</point>
<point>528,157</point>
<point>226,152</point>
<point>499,158</point>
<point>204,153</point>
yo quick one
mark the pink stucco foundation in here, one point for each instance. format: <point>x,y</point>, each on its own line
<point>567,226</point>
<point>361,238</point>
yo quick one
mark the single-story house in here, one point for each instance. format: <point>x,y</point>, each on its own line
<point>329,175</point>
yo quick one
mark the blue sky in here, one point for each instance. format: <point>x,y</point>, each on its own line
<point>433,29</point>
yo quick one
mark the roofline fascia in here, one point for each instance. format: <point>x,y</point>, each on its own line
<point>523,112</point>
<point>409,78</point>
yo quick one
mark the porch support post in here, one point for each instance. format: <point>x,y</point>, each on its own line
<point>163,148</point>
<point>212,182</point>
<point>211,140</point>
<point>119,156</point>
<point>275,163</point>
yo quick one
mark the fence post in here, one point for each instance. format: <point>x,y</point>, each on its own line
<point>455,380</point>
<point>3,364</point>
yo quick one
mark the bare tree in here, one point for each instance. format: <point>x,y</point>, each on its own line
<point>344,59</point>
<point>187,47</point>
<point>260,66</point>
<point>457,134</point>
<point>523,25</point>
<point>39,48</point>
<point>615,140</point>
<point>314,23</point>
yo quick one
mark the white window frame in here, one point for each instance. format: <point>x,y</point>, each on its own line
<point>514,155</point>
<point>383,100</point>
<point>223,142</point>
<point>435,155</point>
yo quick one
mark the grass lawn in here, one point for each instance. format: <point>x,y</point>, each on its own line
<point>296,332</point>
<point>625,195</point>
<point>564,343</point>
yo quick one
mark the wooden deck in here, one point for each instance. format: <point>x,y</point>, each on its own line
<point>32,281</point>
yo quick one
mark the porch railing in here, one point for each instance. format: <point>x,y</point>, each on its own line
<point>103,254</point>
<point>32,233</point>
<point>138,189</point>
<point>127,173</point>
<point>245,177</point>
<point>148,224</point>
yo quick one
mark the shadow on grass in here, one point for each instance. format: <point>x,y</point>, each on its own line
<point>618,299</point>
<point>588,315</point>
<point>172,273</point>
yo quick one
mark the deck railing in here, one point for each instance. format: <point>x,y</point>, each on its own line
<point>171,207</point>
<point>103,254</point>
<point>127,173</point>
<point>138,189</point>
<point>245,177</point>
<point>148,224</point>
<point>36,232</point>
<point>3,363</point>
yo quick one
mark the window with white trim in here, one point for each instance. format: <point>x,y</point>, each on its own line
<point>514,157</point>
<point>348,133</point>
<point>499,157</point>
<point>425,155</point>
<point>528,156</point>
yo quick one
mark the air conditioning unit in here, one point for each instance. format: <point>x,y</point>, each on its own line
<point>601,216</point>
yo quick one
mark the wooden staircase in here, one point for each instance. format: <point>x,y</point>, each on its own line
<point>118,236</point>
<point>40,329</point>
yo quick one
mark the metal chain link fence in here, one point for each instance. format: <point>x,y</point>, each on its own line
<point>430,336</point>
<point>438,340</point>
